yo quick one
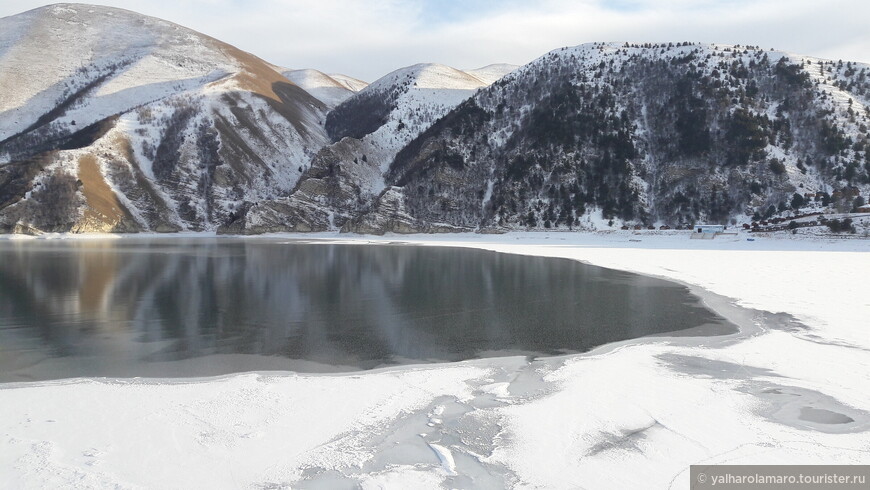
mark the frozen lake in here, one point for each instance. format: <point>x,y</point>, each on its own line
<point>178,307</point>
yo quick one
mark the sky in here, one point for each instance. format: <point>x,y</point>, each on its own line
<point>367,39</point>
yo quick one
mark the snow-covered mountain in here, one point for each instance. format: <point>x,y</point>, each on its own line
<point>404,101</point>
<point>655,134</point>
<point>368,128</point>
<point>114,121</point>
<point>332,90</point>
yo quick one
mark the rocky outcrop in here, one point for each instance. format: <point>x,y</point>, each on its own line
<point>337,186</point>
<point>277,216</point>
<point>389,215</point>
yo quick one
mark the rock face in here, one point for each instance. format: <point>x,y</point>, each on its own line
<point>276,216</point>
<point>336,186</point>
<point>388,214</point>
<point>129,123</point>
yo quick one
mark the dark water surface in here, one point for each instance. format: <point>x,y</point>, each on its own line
<point>190,307</point>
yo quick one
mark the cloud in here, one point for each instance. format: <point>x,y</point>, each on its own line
<point>368,39</point>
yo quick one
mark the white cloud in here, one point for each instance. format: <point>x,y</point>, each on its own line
<point>368,39</point>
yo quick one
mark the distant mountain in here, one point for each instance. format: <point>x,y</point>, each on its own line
<point>489,74</point>
<point>352,84</point>
<point>114,121</point>
<point>332,90</point>
<point>655,134</point>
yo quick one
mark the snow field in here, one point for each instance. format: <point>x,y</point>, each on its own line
<point>631,414</point>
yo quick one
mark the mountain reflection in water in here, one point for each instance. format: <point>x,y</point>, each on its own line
<point>128,302</point>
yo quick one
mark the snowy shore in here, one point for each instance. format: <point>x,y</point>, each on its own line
<point>790,388</point>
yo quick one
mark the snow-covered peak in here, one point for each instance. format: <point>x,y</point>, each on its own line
<point>94,61</point>
<point>311,79</point>
<point>491,73</point>
<point>403,102</point>
<point>427,76</point>
<point>351,83</point>
<point>329,89</point>
<point>59,39</point>
<point>383,117</point>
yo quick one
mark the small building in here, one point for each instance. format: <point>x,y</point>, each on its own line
<point>707,232</point>
<point>709,228</point>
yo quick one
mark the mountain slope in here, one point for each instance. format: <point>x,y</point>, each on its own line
<point>673,134</point>
<point>419,93</point>
<point>368,129</point>
<point>135,123</point>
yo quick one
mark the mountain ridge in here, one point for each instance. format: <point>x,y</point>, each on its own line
<point>131,123</point>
